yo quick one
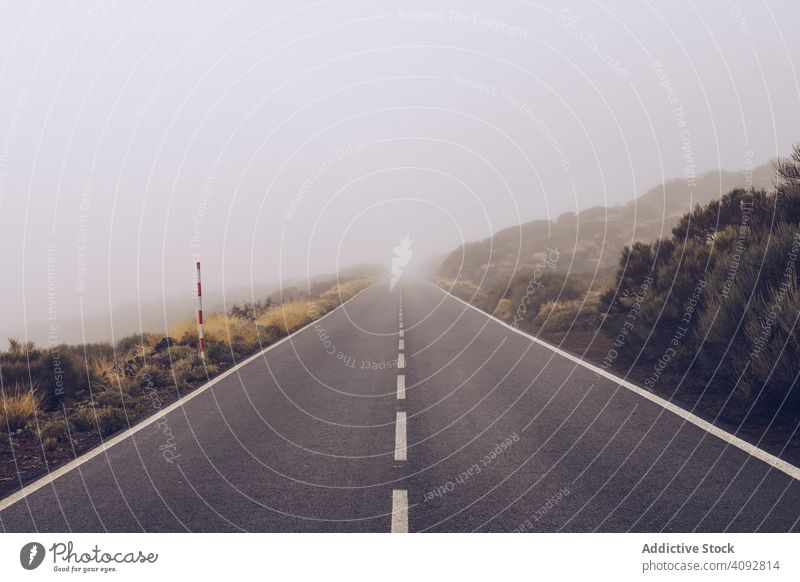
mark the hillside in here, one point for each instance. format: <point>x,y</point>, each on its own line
<point>592,239</point>
<point>702,310</point>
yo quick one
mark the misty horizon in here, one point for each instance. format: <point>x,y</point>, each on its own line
<point>160,312</point>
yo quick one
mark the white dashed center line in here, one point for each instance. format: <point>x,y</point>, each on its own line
<point>400,437</point>
<point>399,511</point>
<point>400,496</point>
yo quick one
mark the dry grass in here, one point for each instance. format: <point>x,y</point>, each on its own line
<point>223,327</point>
<point>219,327</point>
<point>145,348</point>
<point>102,366</point>
<point>18,405</point>
<point>182,328</point>
<point>110,376</point>
<point>463,289</point>
<point>347,290</point>
<point>289,316</point>
<point>504,309</point>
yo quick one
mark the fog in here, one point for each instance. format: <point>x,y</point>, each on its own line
<point>283,140</point>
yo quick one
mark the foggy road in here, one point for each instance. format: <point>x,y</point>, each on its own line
<point>410,411</point>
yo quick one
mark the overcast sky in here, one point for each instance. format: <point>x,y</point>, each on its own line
<point>276,139</point>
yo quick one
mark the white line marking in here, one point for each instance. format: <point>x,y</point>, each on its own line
<point>400,437</point>
<point>146,422</point>
<point>402,345</point>
<point>401,361</point>
<point>402,333</point>
<point>733,440</point>
<point>401,387</point>
<point>399,511</point>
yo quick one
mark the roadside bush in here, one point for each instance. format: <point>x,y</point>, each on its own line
<point>110,398</point>
<point>289,316</point>
<point>110,419</point>
<point>572,314</point>
<point>465,290</point>
<point>83,419</point>
<point>111,376</point>
<point>57,372</point>
<point>58,429</point>
<point>270,333</point>
<point>137,345</point>
<point>557,298</point>
<point>753,326</point>
<point>142,406</point>
<point>151,375</point>
<point>346,290</point>
<point>180,352</point>
<point>191,371</point>
<point>18,405</point>
<point>721,310</point>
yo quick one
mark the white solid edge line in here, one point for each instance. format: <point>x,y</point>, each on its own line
<point>750,449</point>
<point>401,387</point>
<point>399,511</point>
<point>145,422</point>
<point>400,437</point>
<point>401,361</point>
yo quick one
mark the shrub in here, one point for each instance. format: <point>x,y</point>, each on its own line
<point>57,429</point>
<point>137,345</point>
<point>753,326</point>
<point>89,352</point>
<point>151,375</point>
<point>183,330</point>
<point>18,405</point>
<point>721,309</point>
<point>110,419</point>
<point>504,309</point>
<point>109,398</point>
<point>110,376</point>
<point>573,314</point>
<point>464,289</point>
<point>289,316</point>
<point>343,291</point>
<point>142,406</point>
<point>58,372</point>
<point>83,419</point>
<point>191,371</point>
<point>561,300</point>
<point>179,352</point>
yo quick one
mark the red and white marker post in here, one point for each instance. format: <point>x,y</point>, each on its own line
<point>200,315</point>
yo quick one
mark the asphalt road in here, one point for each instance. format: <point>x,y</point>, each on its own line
<point>486,431</point>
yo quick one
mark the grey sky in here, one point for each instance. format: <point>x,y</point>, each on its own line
<point>279,139</point>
